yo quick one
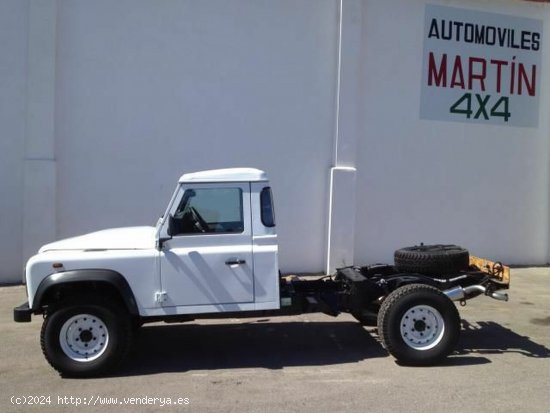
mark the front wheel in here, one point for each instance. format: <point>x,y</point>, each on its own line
<point>83,340</point>
<point>418,324</point>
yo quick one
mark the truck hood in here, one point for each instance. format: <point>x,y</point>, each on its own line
<point>131,238</point>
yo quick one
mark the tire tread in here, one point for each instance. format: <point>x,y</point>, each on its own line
<point>432,260</point>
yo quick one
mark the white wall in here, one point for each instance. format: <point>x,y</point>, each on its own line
<point>484,187</point>
<point>13,67</point>
<point>105,104</point>
<point>148,90</point>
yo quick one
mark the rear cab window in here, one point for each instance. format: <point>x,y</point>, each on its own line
<point>267,210</point>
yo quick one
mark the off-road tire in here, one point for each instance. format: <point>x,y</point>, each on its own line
<point>432,260</point>
<point>108,314</point>
<point>426,339</point>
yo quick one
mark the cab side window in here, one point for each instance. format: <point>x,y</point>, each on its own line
<point>210,210</point>
<point>266,202</point>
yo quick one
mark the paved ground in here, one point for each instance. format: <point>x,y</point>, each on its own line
<point>312,363</point>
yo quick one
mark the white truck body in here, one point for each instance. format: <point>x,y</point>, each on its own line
<point>213,254</point>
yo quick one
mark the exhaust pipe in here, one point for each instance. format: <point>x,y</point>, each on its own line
<point>499,296</point>
<point>455,294</point>
<point>460,293</point>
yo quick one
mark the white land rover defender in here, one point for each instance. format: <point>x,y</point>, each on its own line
<point>213,254</point>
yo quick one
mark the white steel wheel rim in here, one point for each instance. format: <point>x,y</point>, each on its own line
<point>422,327</point>
<point>84,337</point>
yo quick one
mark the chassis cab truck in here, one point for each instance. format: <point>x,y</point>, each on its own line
<point>213,254</point>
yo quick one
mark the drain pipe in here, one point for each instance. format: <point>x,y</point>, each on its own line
<point>460,293</point>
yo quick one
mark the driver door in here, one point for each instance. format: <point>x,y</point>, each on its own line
<point>208,260</point>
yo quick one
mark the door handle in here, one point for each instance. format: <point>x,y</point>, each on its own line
<point>234,261</point>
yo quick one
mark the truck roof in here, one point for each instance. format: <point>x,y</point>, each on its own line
<point>225,175</point>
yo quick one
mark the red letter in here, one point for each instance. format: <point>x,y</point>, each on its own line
<point>522,75</point>
<point>441,75</point>
<point>499,64</point>
<point>457,72</point>
<point>481,76</point>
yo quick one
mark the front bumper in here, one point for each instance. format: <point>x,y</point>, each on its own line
<point>22,313</point>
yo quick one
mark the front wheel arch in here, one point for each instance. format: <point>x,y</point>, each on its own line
<point>59,286</point>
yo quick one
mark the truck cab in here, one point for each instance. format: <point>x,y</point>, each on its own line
<point>213,250</point>
<point>217,244</point>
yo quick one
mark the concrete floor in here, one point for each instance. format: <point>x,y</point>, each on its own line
<point>311,363</point>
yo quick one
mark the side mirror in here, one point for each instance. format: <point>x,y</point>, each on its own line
<point>170,230</point>
<point>172,225</point>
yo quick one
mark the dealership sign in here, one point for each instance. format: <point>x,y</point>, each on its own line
<point>481,67</point>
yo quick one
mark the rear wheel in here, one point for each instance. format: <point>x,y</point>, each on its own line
<point>418,324</point>
<point>82,340</point>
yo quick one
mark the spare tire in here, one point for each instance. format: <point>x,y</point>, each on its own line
<point>432,260</point>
